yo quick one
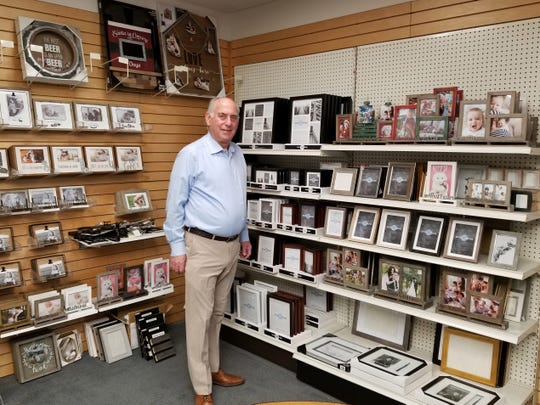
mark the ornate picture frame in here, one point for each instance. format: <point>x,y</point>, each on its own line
<point>35,357</point>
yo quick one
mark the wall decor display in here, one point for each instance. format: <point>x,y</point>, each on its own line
<point>7,242</point>
<point>450,390</point>
<point>53,115</point>
<point>132,43</point>
<point>67,159</point>
<point>10,275</point>
<point>371,181</point>
<point>335,222</point>
<point>73,196</point>
<point>440,180</point>
<point>405,122</point>
<point>364,224</point>
<point>50,53</point>
<point>432,129</point>
<point>466,173</point>
<point>77,298</point>
<point>399,181</point>
<point>14,313</point>
<point>429,234</point>
<point>47,234</point>
<point>472,121</point>
<point>504,249</point>
<point>393,228</point>
<point>30,160</point>
<point>91,117</point>
<point>334,266</point>
<point>447,101</point>
<point>100,159</point>
<point>264,121</point>
<point>427,105</point>
<point>43,199</point>
<point>135,200</point>
<point>69,346</point>
<point>48,309</point>
<point>191,53</point>
<point>126,118</point>
<point>507,128</point>
<point>344,127</point>
<point>35,357</point>
<point>15,109</point>
<point>14,201</point>
<point>382,325</point>
<point>128,158</point>
<point>463,239</point>
<point>344,181</point>
<point>502,102</point>
<point>4,164</point>
<point>48,268</point>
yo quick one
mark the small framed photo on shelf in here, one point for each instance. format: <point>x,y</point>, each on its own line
<point>432,129</point>
<point>384,130</point>
<point>429,234</point>
<point>67,159</point>
<point>159,273</point>
<point>15,109</point>
<point>488,308</point>
<point>99,159</point>
<point>502,102</point>
<point>288,214</point>
<point>495,174</point>
<point>508,128</point>
<point>48,268</point>
<point>450,390</point>
<point>414,283</point>
<point>344,127</point>
<point>30,160</point>
<point>364,224</point>
<point>128,158</point>
<point>440,180</point>
<point>43,199</point>
<point>126,119</point>
<point>334,266</point>
<point>531,179</point>
<point>504,249</point>
<point>389,276</point>
<point>35,357</point>
<point>344,181</point>
<point>133,279</point>
<point>49,308</point>
<point>371,182</point>
<point>14,201</point>
<point>14,313</point>
<point>107,286</point>
<point>466,173</point>
<point>311,260</point>
<point>393,228</point>
<point>292,256</point>
<point>249,305</point>
<point>514,176</point>
<point>7,242</point>
<point>463,239</point>
<point>515,304</point>
<point>130,201</point>
<point>404,122</point>
<point>427,105</point>
<point>4,164</point>
<point>447,101</point>
<point>335,222</point>
<point>490,192</point>
<point>77,298</point>
<point>53,115</point>
<point>391,362</point>
<point>453,291</point>
<point>10,275</point>
<point>73,196</point>
<point>357,278</point>
<point>47,234</point>
<point>91,117</point>
<point>472,121</point>
<point>399,181</point>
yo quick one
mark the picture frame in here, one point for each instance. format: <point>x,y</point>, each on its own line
<point>107,286</point>
<point>404,122</point>
<point>16,109</point>
<point>43,199</point>
<point>391,328</point>
<point>399,181</point>
<point>357,278</point>
<point>495,174</point>
<point>414,283</point>
<point>450,390</point>
<point>335,224</point>
<point>30,160</point>
<point>472,121</point>
<point>391,362</point>
<point>440,180</point>
<point>461,347</point>
<point>133,200</point>
<point>288,214</point>
<point>371,181</point>
<point>69,346</point>
<point>504,249</point>
<point>48,268</point>
<point>454,291</point>
<point>334,271</point>
<point>14,313</point>
<point>10,275</point>
<point>514,176</point>
<point>7,241</point>
<point>14,201</point>
<point>134,280</point>
<point>249,304</point>
<point>293,256</point>
<point>99,159</point>
<point>280,314</point>
<point>488,308</point>
<point>260,123</point>
<point>311,260</point>
<point>53,115</point>
<point>126,118</point>
<point>502,102</point>
<point>466,173</point>
<point>490,192</point>
<point>521,200</point>
<point>115,342</point>
<point>432,129</point>
<point>390,272</point>
<point>46,234</point>
<point>266,250</point>
<point>427,105</point>
<point>77,298</point>
<point>385,130</point>
<point>48,309</point>
<point>344,127</point>
<point>531,179</point>
<point>344,181</point>
<point>393,228</point>
<point>508,128</point>
<point>67,159</point>
<point>128,158</point>
<point>447,101</point>
<point>35,357</point>
<point>334,350</point>
<point>463,239</point>
<point>159,274</point>
<point>5,170</point>
<point>364,224</point>
<point>73,196</point>
<point>91,117</point>
<point>515,303</point>
<point>429,235</point>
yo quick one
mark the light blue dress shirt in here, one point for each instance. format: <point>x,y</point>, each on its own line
<point>207,190</point>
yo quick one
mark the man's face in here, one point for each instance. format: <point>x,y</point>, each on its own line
<point>222,124</point>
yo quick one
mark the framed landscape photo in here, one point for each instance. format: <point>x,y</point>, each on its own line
<point>463,239</point>
<point>399,181</point>
<point>440,180</point>
<point>10,275</point>
<point>393,228</point>
<point>472,121</point>
<point>91,117</point>
<point>126,118</point>
<point>450,390</point>
<point>35,357</point>
<point>344,181</point>
<point>364,224</point>
<point>73,196</point>
<point>504,249</point>
<point>371,181</point>
<point>7,242</point>
<point>99,159</point>
<point>429,234</point>
<point>128,158</point>
<point>67,159</point>
<point>53,115</point>
<point>30,160</point>
<point>335,222</point>
<point>46,234</point>
<point>16,109</point>
<point>508,128</point>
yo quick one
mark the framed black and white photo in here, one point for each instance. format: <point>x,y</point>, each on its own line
<point>30,160</point>
<point>261,123</point>
<point>364,224</point>
<point>334,350</point>
<point>472,121</point>
<point>14,201</point>
<point>73,196</point>
<point>16,109</point>
<point>466,173</point>
<point>91,117</point>
<point>335,222</point>
<point>35,357</point>
<point>53,115</point>
<point>463,239</point>
<point>67,159</point>
<point>504,249</point>
<point>334,266</point>
<point>126,119</point>
<point>399,181</point>
<point>43,199</point>
<point>99,159</point>
<point>454,391</point>
<point>128,158</point>
<point>371,182</point>
<point>7,242</point>
<point>393,228</point>
<point>429,235</point>
<point>10,275</point>
<point>48,268</point>
<point>440,180</point>
<point>4,164</point>
<point>344,181</point>
<point>46,234</point>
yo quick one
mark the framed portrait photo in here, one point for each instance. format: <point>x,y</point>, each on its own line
<point>67,159</point>
<point>126,118</point>
<point>429,235</point>
<point>384,130</point>
<point>335,224</point>
<point>43,199</point>
<point>7,242</point>
<point>463,239</point>
<point>47,234</point>
<point>504,249</point>
<point>393,228</point>
<point>399,181</point>
<point>502,102</point>
<point>134,279</point>
<point>447,101</point>
<point>414,283</point>
<point>99,159</point>
<point>16,109</point>
<point>405,122</point>
<point>35,357</point>
<point>10,275</point>
<point>364,224</point>
<point>53,115</point>
<point>472,121</point>
<point>73,196</point>
<point>440,180</point>
<point>507,128</point>
<point>344,127</point>
<point>427,105</point>
<point>128,158</point>
<point>451,390</point>
<point>30,160</point>
<point>344,181</point>
<point>488,308</point>
<point>91,117</point>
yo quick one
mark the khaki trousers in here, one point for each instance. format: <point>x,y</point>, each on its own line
<point>210,270</point>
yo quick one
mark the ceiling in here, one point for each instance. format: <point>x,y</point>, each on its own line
<point>230,6</point>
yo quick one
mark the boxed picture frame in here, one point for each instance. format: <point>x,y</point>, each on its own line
<point>249,304</point>
<point>440,181</point>
<point>472,121</point>
<point>371,181</point>
<point>128,158</point>
<point>7,241</point>
<point>73,196</point>
<point>67,160</point>
<point>334,350</point>
<point>14,313</point>
<point>393,228</point>
<point>91,117</point>
<point>400,181</point>
<point>463,239</point>
<point>30,160</point>
<point>10,275</point>
<point>344,181</point>
<point>53,115</point>
<point>35,357</point>
<point>43,199</point>
<point>386,362</point>
<point>99,159</point>
<point>335,225</point>
<point>49,309</point>
<point>508,128</point>
<point>16,109</point>
<point>48,268</point>
<point>450,390</point>
<point>264,121</point>
<point>46,234</point>
<point>311,260</point>
<point>504,249</point>
<point>132,201</point>
<point>364,224</point>
<point>126,118</point>
<point>429,235</point>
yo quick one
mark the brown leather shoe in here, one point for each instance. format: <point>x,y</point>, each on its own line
<point>204,400</point>
<point>226,380</point>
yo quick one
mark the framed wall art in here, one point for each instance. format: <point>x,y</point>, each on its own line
<point>262,121</point>
<point>4,164</point>
<point>399,181</point>
<point>53,115</point>
<point>463,239</point>
<point>67,159</point>
<point>35,357</point>
<point>364,224</point>
<point>504,249</point>
<point>91,117</point>
<point>128,158</point>
<point>472,121</point>
<point>30,160</point>
<point>429,235</point>
<point>507,128</point>
<point>405,122</point>
<point>393,228</point>
<point>450,390</point>
<point>46,234</point>
<point>50,53</point>
<point>10,275</point>
<point>16,109</point>
<point>440,180</point>
<point>126,118</point>
<point>344,181</point>
<point>99,159</point>
<point>7,242</point>
<point>14,313</point>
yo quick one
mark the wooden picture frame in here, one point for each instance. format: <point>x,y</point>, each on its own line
<point>427,105</point>
<point>91,117</point>
<point>7,241</point>
<point>432,129</point>
<point>344,127</point>
<point>364,224</point>
<point>100,159</point>
<point>447,101</point>
<point>126,118</point>
<point>440,180</point>
<point>490,192</point>
<point>471,356</point>
<point>288,215</point>
<point>428,235</point>
<point>53,115</point>
<point>472,121</point>
<point>385,130</point>
<point>504,249</point>
<point>466,173</point>
<point>357,278</point>
<point>69,346</point>
<point>30,160</point>
<point>393,228</point>
<point>35,357</point>
<point>128,158</point>
<point>463,239</point>
<point>14,313</point>
<point>404,122</point>
<point>49,308</point>
<point>334,272</point>
<point>335,224</point>
<point>508,128</point>
<point>46,234</point>
<point>414,283</point>
<point>453,291</point>
<point>67,159</point>
<point>502,102</point>
<point>16,109</point>
<point>531,179</point>
<point>514,176</point>
<point>389,277</point>
<point>450,390</point>
<point>10,275</point>
<point>343,181</point>
<point>399,181</point>
<point>487,308</point>
<point>371,181</point>
<point>48,268</point>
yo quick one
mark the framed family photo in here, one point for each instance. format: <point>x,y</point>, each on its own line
<point>432,129</point>
<point>405,122</point>
<point>53,115</point>
<point>463,239</point>
<point>334,266</point>
<point>364,224</point>
<point>453,291</point>
<point>15,109</point>
<point>427,105</point>
<point>508,128</point>
<point>502,102</point>
<point>91,117</point>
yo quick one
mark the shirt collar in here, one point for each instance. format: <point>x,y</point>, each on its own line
<point>215,147</point>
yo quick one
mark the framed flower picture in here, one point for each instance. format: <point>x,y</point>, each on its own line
<point>504,249</point>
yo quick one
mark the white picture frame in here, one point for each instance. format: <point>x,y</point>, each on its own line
<point>531,179</point>
<point>77,298</point>
<point>126,118</point>
<point>515,303</point>
<point>69,345</point>
<point>67,159</point>
<point>4,164</point>
<point>99,159</point>
<point>53,115</point>
<point>73,196</point>
<point>115,342</point>
<point>16,109</point>
<point>335,223</point>
<point>128,158</point>
<point>30,160</point>
<point>343,181</point>
<point>91,117</point>
<point>248,304</point>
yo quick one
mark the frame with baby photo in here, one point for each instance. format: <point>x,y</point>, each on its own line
<point>507,128</point>
<point>447,101</point>
<point>502,102</point>
<point>472,121</point>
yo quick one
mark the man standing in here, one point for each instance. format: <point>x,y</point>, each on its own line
<point>206,227</point>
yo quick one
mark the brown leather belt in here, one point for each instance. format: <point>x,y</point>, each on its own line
<point>208,235</point>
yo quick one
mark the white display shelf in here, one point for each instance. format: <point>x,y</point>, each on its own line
<point>122,240</point>
<point>151,294</point>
